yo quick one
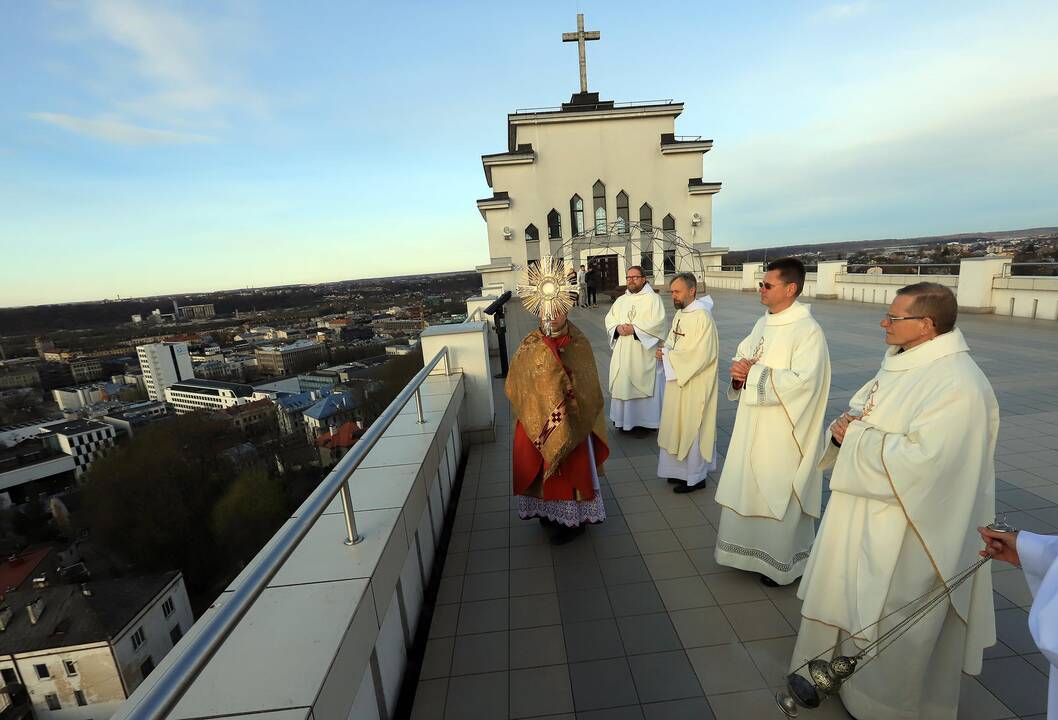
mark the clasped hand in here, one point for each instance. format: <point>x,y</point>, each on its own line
<point>841,425</point>
<point>740,369</point>
<point>625,329</point>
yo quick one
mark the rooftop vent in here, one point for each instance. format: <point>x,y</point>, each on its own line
<point>5,617</point>
<point>35,609</point>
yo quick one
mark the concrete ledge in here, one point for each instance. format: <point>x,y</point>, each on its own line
<point>976,310</point>
<point>827,296</point>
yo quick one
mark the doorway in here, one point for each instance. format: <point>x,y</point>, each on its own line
<point>605,267</point>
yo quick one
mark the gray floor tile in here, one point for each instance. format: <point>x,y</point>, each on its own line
<point>455,564</point>
<point>481,653</point>
<point>635,599</point>
<point>657,541</point>
<point>578,576</point>
<point>700,535</point>
<point>483,616</point>
<point>686,709</point>
<point>684,593</point>
<point>976,703</point>
<point>430,700</point>
<point>758,620</point>
<point>772,658</point>
<point>530,556</point>
<point>450,590</point>
<point>592,640</point>
<point>580,551</point>
<point>540,691</point>
<point>580,605</point>
<point>698,627</point>
<point>1016,683</point>
<point>479,561</point>
<point>624,570</point>
<point>629,712</point>
<point>648,634</point>
<point>684,517</point>
<point>667,565</point>
<point>615,546</point>
<point>637,504</point>
<point>743,705</point>
<point>534,611</point>
<point>646,521</point>
<point>536,647</point>
<point>602,684</point>
<point>664,676</point>
<point>735,587</point>
<point>477,697</point>
<point>485,586</point>
<point>725,668</point>
<point>1012,628</point>
<point>532,581</point>
<point>444,621</point>
<point>437,659</point>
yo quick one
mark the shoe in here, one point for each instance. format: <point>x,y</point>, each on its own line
<point>566,534</point>
<point>639,433</point>
<point>768,582</point>
<point>674,481</point>
<point>685,488</point>
<point>547,522</point>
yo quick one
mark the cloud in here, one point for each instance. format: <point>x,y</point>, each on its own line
<point>117,131</point>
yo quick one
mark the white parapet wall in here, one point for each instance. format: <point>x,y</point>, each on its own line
<point>468,352</point>
<point>330,635</point>
<point>1026,297</point>
<point>750,273</point>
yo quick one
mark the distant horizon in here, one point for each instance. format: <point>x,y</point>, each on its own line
<point>174,295</point>
<point>152,144</point>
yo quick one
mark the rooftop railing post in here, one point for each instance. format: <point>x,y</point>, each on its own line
<point>418,407</point>
<point>352,537</point>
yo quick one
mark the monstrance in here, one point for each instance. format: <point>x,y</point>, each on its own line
<point>547,289</point>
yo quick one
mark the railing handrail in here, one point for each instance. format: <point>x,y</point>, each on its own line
<point>907,264</point>
<point>159,700</point>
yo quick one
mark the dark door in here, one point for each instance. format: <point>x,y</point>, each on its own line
<point>605,267</point>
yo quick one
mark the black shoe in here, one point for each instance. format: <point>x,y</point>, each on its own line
<point>674,481</point>
<point>566,534</point>
<point>547,522</point>
<point>639,433</point>
<point>685,488</point>
<point>768,582</point>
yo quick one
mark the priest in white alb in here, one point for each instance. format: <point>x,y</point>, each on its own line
<point>913,479</point>
<point>1037,556</point>
<point>635,325</point>
<point>687,438</point>
<point>771,487</point>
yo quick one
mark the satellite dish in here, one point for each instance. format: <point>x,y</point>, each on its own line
<point>507,233</point>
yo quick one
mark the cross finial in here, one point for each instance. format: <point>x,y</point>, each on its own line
<point>580,37</point>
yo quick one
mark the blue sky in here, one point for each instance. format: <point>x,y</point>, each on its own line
<point>152,147</point>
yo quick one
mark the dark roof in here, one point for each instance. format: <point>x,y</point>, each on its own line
<point>71,618</point>
<point>497,197</point>
<point>75,427</point>
<point>212,387</point>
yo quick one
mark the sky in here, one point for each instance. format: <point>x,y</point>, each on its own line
<point>152,147</point>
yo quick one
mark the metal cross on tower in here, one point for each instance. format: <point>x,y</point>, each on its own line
<point>580,37</point>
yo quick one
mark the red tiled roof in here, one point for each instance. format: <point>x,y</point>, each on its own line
<point>344,437</point>
<point>15,570</point>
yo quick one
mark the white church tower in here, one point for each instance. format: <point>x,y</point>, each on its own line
<point>600,183</point>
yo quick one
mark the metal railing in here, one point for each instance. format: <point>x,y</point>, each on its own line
<point>163,696</point>
<point>916,267</point>
<point>1008,269</point>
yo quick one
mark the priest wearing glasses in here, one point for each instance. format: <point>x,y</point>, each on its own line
<point>913,478</point>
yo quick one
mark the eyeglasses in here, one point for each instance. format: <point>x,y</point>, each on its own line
<point>768,285</point>
<point>892,318</point>
<point>633,277</point>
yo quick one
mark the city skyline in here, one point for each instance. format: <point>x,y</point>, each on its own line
<point>157,149</point>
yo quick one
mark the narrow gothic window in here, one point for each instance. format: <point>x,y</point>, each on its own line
<point>669,223</point>
<point>622,212</point>
<point>554,225</point>
<point>598,196</point>
<point>646,219</point>
<point>576,211</point>
<point>531,235</point>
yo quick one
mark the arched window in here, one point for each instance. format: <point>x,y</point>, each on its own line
<point>531,235</point>
<point>576,211</point>
<point>646,219</point>
<point>554,225</point>
<point>668,223</point>
<point>622,212</point>
<point>598,197</point>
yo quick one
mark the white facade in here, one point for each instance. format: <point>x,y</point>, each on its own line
<point>164,364</point>
<point>194,395</point>
<point>623,164</point>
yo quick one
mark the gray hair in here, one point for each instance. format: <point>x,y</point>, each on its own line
<point>688,279</point>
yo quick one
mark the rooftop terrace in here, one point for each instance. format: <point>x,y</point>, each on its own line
<point>635,620</point>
